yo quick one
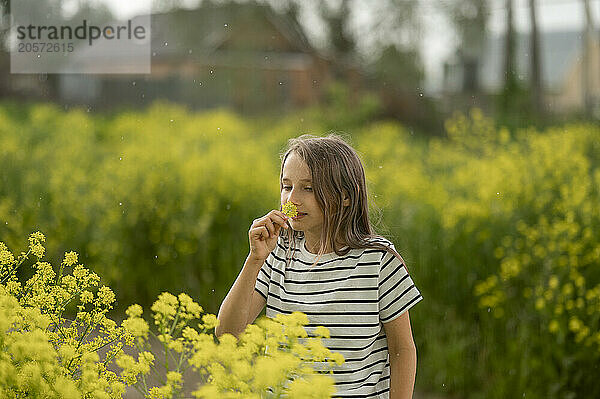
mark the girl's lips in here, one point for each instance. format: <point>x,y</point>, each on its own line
<point>300,215</point>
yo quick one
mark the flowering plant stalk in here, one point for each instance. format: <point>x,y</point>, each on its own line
<point>44,353</point>
<point>273,358</point>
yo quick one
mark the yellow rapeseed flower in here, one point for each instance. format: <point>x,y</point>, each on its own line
<point>6,257</point>
<point>540,303</point>
<point>38,236</point>
<point>106,296</point>
<point>209,321</point>
<point>553,326</point>
<point>313,387</point>
<point>289,209</point>
<point>70,258</point>
<point>322,331</point>
<point>575,324</point>
<point>136,326</point>
<point>134,310</point>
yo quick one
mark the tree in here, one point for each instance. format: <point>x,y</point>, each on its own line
<point>587,59</point>
<point>535,62</point>
<point>394,54</point>
<point>337,20</point>
<point>159,6</point>
<point>511,85</point>
<point>469,19</point>
<point>399,69</point>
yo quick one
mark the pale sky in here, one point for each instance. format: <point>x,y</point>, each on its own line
<point>438,40</point>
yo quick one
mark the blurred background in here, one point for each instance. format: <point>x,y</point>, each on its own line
<point>477,122</point>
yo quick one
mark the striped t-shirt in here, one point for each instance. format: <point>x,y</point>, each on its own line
<point>351,295</point>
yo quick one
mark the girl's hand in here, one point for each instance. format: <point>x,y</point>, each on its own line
<point>263,234</point>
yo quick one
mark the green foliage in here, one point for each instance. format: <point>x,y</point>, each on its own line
<point>498,227</point>
<point>399,69</point>
<point>155,198</point>
<point>498,230</point>
<point>518,218</point>
<point>344,108</point>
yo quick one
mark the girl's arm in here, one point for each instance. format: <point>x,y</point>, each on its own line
<point>242,302</point>
<point>403,357</point>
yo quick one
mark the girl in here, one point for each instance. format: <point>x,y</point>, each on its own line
<point>329,264</point>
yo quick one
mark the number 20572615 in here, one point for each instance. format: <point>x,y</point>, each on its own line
<point>42,47</point>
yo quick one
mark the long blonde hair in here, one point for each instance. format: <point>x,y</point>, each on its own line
<point>336,171</point>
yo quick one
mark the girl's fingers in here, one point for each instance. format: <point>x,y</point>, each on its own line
<point>259,233</point>
<point>278,217</point>
<point>269,226</point>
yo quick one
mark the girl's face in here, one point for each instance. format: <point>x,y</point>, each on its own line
<point>297,187</point>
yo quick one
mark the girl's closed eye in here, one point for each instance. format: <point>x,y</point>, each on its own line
<point>289,187</point>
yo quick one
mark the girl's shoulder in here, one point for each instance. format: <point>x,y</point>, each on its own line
<point>379,241</point>
<point>384,247</point>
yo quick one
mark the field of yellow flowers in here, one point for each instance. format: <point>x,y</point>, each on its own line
<point>56,341</point>
<point>498,228</point>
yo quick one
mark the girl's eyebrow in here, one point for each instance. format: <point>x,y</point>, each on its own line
<point>305,180</point>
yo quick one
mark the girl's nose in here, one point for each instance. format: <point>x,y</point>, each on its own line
<point>292,197</point>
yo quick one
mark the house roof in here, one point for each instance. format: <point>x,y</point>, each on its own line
<point>250,35</point>
<point>239,27</point>
<point>559,50</point>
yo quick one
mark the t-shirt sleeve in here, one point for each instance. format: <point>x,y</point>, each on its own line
<point>264,275</point>
<point>397,291</point>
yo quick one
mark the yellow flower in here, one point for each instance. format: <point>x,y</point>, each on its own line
<point>540,303</point>
<point>70,258</point>
<point>6,257</point>
<point>322,332</point>
<point>192,308</point>
<point>176,345</point>
<point>567,289</point>
<point>165,308</point>
<point>136,326</point>
<point>338,358</point>
<point>173,378</point>
<point>146,360</point>
<point>134,310</point>
<point>86,297</point>
<point>35,244</point>
<point>106,296</point>
<point>38,236</point>
<point>313,387</point>
<point>210,321</point>
<point>575,324</point>
<point>289,209</point>
<point>554,326</point>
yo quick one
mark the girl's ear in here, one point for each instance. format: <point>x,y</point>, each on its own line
<point>346,201</point>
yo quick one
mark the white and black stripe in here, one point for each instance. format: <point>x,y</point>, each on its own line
<point>351,295</point>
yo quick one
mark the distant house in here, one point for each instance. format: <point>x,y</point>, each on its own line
<point>245,56</point>
<point>561,55</point>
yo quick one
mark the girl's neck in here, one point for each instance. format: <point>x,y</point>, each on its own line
<point>313,246</point>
